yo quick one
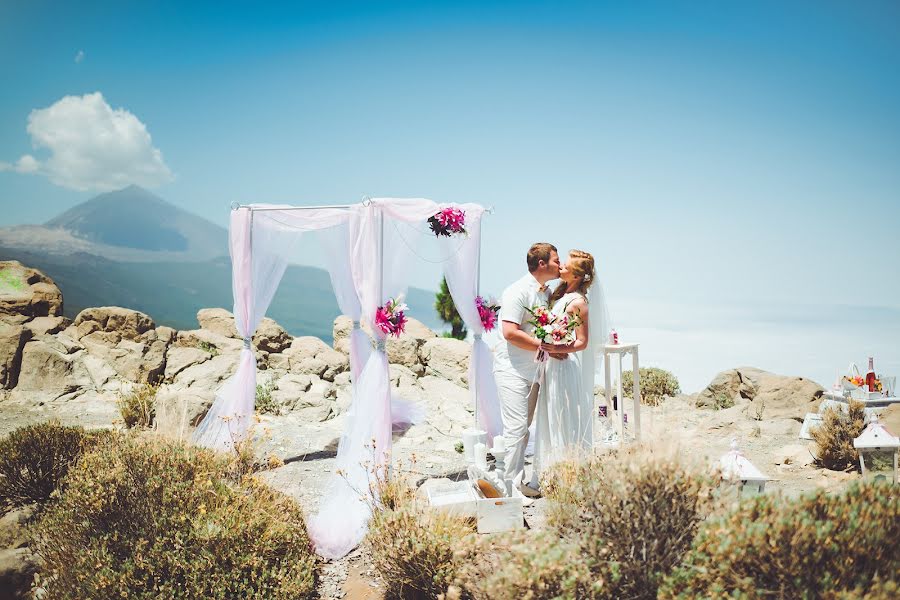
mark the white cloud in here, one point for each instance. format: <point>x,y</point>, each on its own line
<point>80,56</point>
<point>26,164</point>
<point>92,146</point>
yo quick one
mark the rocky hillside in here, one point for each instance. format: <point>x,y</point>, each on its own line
<point>74,369</point>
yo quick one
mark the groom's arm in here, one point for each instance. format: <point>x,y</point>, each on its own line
<point>518,338</point>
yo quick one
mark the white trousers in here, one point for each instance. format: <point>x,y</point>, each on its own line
<point>518,398</point>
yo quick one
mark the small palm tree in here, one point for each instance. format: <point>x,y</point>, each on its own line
<point>447,311</point>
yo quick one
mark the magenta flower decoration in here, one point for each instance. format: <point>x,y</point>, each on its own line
<point>487,310</point>
<point>448,221</point>
<point>391,318</point>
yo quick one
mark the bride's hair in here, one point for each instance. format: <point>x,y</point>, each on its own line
<point>582,265</point>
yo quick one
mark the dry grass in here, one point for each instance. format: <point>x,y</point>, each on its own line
<point>834,437</point>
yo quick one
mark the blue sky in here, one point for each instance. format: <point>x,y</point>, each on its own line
<point>710,154</point>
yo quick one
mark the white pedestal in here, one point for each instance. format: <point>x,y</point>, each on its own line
<point>620,350</point>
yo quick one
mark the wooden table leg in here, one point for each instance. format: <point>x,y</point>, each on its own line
<point>621,402</point>
<point>636,393</point>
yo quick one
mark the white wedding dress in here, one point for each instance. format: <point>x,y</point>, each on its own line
<point>564,414</point>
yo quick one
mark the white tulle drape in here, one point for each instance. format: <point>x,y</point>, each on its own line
<point>377,268</point>
<point>368,263</point>
<point>260,243</point>
<point>461,271</point>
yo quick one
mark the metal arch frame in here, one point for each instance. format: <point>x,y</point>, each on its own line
<point>367,201</point>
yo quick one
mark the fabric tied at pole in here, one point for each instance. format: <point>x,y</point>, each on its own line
<point>248,343</point>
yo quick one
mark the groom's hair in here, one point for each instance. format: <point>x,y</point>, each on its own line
<point>537,253</point>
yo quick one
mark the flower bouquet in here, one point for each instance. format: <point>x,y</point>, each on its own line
<point>391,318</point>
<point>487,310</point>
<point>448,221</point>
<point>552,329</point>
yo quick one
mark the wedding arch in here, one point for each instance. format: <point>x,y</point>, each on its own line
<point>366,270</point>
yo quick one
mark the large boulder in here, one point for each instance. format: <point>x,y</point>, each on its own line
<point>47,325</point>
<point>217,320</point>
<point>780,396</point>
<point>12,340</point>
<point>207,340</point>
<point>271,337</point>
<point>447,358</point>
<point>763,395</point>
<point>179,358</point>
<point>727,388</point>
<point>126,339</point>
<point>403,350</point>
<point>127,323</point>
<point>343,325</point>
<point>309,355</point>
<point>48,367</point>
<point>26,293</point>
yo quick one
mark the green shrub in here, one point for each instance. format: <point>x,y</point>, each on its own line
<point>207,347</point>
<point>264,401</point>
<point>153,519</point>
<point>812,547</point>
<point>723,401</point>
<point>417,552</point>
<point>834,437</point>
<point>35,459</point>
<point>656,385</point>
<point>631,513</point>
<point>138,407</point>
<point>525,565</point>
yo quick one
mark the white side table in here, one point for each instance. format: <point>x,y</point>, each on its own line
<point>621,350</point>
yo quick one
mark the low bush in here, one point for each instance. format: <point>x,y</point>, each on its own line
<point>417,552</point>
<point>834,437</point>
<point>656,385</point>
<point>525,565</point>
<point>35,459</point>
<point>138,407</point>
<point>153,519</point>
<point>632,514</point>
<point>832,546</point>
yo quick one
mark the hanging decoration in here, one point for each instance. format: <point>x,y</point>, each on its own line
<point>391,318</point>
<point>448,221</point>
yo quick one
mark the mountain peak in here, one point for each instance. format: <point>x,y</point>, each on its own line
<point>136,219</point>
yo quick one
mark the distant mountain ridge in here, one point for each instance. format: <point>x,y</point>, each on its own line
<point>133,249</point>
<point>134,218</point>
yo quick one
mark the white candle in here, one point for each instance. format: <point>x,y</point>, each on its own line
<point>500,443</point>
<point>481,456</point>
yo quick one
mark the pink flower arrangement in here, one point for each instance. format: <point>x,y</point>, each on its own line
<point>448,221</point>
<point>391,318</point>
<point>549,328</point>
<point>487,310</point>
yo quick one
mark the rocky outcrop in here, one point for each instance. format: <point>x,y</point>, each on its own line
<point>403,350</point>
<point>12,341</point>
<point>311,356</point>
<point>766,395</point>
<point>126,339</point>
<point>26,293</point>
<point>447,358</point>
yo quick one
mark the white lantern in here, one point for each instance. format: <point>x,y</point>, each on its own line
<point>877,446</point>
<point>737,469</point>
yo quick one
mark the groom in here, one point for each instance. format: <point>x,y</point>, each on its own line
<point>514,364</point>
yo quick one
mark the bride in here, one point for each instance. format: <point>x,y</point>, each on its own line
<point>564,420</point>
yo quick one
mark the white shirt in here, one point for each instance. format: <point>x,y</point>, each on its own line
<point>522,294</point>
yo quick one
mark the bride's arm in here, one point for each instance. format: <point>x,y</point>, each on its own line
<point>580,308</point>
